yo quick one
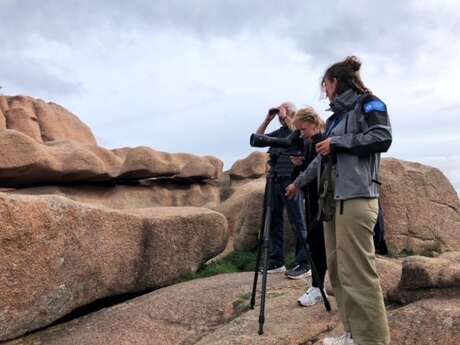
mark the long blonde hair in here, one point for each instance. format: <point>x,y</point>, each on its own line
<point>309,115</point>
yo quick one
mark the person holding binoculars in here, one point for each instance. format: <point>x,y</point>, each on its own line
<point>282,169</point>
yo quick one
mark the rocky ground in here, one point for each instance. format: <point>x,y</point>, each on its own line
<point>216,311</point>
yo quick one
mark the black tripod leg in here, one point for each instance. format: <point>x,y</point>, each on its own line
<point>256,271</point>
<point>259,250</point>
<point>263,245</point>
<point>264,275</point>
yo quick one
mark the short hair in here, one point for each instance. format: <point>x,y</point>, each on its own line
<point>309,115</point>
<point>291,108</point>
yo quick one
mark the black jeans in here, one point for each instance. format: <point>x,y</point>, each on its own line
<point>318,252</point>
<point>296,214</point>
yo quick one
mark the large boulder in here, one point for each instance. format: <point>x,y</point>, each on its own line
<point>253,166</point>
<point>422,209</point>
<point>389,271</point>
<point>43,121</point>
<point>244,210</point>
<point>24,162</point>
<point>426,322</point>
<point>206,311</point>
<point>143,162</point>
<point>3,105</point>
<point>43,143</point>
<point>157,194</point>
<point>58,255</point>
<point>424,277</point>
<point>215,311</point>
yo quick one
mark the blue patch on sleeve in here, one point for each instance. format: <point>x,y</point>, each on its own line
<point>375,105</point>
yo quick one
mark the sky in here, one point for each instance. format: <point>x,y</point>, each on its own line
<point>198,76</point>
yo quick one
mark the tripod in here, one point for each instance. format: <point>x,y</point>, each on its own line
<point>263,245</point>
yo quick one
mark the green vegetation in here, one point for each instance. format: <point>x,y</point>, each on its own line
<point>431,253</point>
<point>238,261</point>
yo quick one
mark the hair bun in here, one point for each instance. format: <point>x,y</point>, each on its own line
<point>354,63</point>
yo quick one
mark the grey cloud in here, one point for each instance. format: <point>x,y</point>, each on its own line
<point>322,29</point>
<point>388,28</point>
<point>31,76</point>
<point>65,20</point>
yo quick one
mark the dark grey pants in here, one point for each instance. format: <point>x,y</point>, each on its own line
<point>296,214</point>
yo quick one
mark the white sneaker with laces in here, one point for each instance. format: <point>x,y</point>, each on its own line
<point>344,339</point>
<point>311,297</point>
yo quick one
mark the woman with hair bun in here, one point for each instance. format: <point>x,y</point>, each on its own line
<point>349,158</point>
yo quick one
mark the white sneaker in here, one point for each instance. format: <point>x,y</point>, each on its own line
<point>311,297</point>
<point>344,339</point>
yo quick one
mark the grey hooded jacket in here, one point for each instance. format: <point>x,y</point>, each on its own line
<point>359,130</point>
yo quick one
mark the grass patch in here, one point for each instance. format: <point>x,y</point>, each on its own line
<point>238,261</point>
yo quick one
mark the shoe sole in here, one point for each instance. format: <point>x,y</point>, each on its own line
<point>308,305</point>
<point>302,305</point>
<point>273,272</point>
<point>301,276</point>
<point>304,275</point>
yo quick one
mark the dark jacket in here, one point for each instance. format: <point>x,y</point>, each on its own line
<point>311,192</point>
<point>279,160</point>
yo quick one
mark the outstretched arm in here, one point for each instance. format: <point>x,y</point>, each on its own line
<point>304,178</point>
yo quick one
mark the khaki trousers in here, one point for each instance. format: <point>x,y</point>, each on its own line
<point>352,271</point>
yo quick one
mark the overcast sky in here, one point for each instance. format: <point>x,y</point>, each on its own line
<point>198,76</point>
